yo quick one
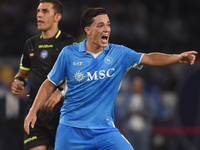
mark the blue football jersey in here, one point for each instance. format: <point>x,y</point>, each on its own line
<point>93,83</point>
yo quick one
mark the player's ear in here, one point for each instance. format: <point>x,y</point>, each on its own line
<point>87,30</point>
<point>58,16</point>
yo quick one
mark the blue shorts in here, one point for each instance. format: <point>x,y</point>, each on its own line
<point>70,138</point>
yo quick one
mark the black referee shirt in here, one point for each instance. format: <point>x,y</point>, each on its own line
<point>39,56</point>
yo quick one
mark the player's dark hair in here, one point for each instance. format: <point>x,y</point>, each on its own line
<point>57,5</point>
<point>88,15</point>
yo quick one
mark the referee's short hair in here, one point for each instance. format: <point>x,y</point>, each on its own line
<point>57,5</point>
<point>88,15</point>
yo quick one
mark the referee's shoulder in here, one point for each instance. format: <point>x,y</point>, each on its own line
<point>65,36</point>
<point>33,38</point>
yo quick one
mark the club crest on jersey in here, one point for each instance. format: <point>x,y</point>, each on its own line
<point>108,60</point>
<point>79,76</point>
<point>44,54</point>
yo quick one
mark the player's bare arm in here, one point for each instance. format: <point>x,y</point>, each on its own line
<point>53,99</point>
<point>44,92</point>
<point>18,85</point>
<point>160,59</point>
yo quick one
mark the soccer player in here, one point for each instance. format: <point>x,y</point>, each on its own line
<point>39,55</point>
<point>94,70</point>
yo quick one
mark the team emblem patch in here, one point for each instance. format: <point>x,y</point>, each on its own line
<point>108,60</point>
<point>79,76</point>
<point>44,54</point>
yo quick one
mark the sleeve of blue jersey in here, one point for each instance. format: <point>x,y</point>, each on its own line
<point>57,74</point>
<point>131,57</point>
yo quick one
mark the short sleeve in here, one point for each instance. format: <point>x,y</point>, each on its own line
<point>57,74</point>
<point>25,61</point>
<point>132,59</point>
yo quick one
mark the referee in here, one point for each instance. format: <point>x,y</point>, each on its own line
<point>39,55</point>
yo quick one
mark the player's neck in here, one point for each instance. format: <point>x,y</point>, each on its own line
<point>92,47</point>
<point>49,33</point>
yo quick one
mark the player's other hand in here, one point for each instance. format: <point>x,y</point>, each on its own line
<point>16,87</point>
<point>30,121</point>
<point>52,101</point>
<point>188,57</point>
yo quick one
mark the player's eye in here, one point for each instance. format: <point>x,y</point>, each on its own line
<point>45,10</point>
<point>100,25</point>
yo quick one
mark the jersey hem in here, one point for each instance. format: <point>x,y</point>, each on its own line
<point>83,127</point>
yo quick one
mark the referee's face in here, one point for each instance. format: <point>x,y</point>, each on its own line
<point>100,30</point>
<point>45,16</point>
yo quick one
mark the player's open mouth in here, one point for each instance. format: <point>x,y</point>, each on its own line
<point>104,38</point>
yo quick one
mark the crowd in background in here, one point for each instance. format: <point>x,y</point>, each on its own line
<point>169,26</point>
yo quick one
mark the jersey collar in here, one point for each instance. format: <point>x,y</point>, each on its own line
<point>56,36</point>
<point>82,47</point>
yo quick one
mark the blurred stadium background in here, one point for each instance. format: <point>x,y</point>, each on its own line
<point>168,26</point>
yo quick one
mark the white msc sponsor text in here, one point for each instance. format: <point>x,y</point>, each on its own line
<point>79,76</point>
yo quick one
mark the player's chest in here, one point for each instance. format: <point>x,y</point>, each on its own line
<point>88,62</point>
<point>90,68</point>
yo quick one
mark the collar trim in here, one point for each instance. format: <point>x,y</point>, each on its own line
<point>82,47</point>
<point>57,35</point>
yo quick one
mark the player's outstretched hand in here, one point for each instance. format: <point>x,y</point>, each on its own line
<point>30,120</point>
<point>52,101</point>
<point>188,57</point>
